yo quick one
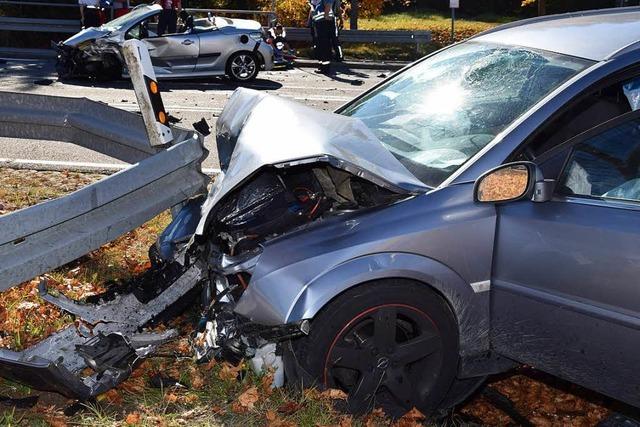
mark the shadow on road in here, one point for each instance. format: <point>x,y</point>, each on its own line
<point>342,74</point>
<point>204,85</point>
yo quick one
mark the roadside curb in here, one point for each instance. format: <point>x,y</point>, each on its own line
<point>77,167</point>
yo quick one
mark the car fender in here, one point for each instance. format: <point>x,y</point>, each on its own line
<point>473,321</point>
<point>470,308</point>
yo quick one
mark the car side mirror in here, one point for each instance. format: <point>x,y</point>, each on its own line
<point>511,182</point>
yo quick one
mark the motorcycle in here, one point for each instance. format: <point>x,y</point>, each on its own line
<point>284,56</point>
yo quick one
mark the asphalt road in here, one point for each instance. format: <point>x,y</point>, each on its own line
<point>188,101</point>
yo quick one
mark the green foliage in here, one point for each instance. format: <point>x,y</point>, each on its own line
<point>561,6</point>
<point>296,12</point>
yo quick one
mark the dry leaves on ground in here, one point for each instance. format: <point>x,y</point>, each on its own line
<point>228,372</point>
<point>334,394</point>
<point>413,418</point>
<point>132,419</point>
<point>249,398</point>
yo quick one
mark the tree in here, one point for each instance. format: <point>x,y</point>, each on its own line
<point>542,5</point>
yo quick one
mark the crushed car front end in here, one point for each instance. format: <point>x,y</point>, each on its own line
<point>93,52</point>
<point>270,192</point>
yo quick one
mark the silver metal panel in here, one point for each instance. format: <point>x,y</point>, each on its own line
<point>174,53</point>
<point>40,238</point>
<point>312,136</point>
<point>93,125</point>
<point>588,35</point>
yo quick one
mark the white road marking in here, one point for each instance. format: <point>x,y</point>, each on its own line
<point>81,166</point>
<point>132,106</point>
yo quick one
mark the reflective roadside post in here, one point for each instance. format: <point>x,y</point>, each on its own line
<point>453,4</point>
<point>147,91</point>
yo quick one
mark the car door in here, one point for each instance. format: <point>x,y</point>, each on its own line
<point>213,43</point>
<point>566,274</point>
<point>174,53</point>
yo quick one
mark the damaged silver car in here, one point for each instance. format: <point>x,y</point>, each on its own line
<point>201,47</point>
<point>475,211</point>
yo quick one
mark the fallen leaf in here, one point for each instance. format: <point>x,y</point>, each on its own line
<point>289,407</point>
<point>271,416</point>
<point>210,365</point>
<point>113,396</point>
<point>249,398</point>
<point>311,393</point>
<point>334,393</point>
<point>267,383</point>
<point>132,419</point>
<point>55,421</point>
<point>171,398</point>
<point>196,379</point>
<point>228,372</point>
<point>238,408</point>
<point>413,418</point>
<point>218,410</point>
<point>346,421</point>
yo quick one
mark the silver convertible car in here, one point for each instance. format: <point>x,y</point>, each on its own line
<point>210,46</point>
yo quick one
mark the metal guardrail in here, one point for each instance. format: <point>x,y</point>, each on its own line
<point>40,238</point>
<point>71,26</point>
<point>65,26</point>
<point>37,3</point>
<point>419,38</point>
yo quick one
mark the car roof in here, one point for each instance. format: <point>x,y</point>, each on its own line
<point>595,35</point>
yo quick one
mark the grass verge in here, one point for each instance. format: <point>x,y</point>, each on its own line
<point>211,394</point>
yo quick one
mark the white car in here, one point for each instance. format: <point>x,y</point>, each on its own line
<point>210,46</point>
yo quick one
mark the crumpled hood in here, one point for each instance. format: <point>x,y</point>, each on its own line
<point>257,129</point>
<point>84,35</point>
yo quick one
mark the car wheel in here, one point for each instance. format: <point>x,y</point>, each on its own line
<point>112,68</point>
<point>391,344</point>
<point>242,67</point>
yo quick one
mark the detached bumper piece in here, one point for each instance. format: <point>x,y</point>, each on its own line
<point>104,346</point>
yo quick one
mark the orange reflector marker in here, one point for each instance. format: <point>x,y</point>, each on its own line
<point>153,86</point>
<point>162,117</point>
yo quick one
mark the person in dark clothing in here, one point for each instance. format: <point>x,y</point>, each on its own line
<point>335,36</point>
<point>313,7</point>
<point>168,21</point>
<point>324,24</point>
<point>187,22</point>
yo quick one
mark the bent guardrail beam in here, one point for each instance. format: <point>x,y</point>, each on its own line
<point>40,238</point>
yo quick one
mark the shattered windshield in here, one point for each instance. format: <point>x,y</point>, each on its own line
<point>439,113</point>
<point>127,20</point>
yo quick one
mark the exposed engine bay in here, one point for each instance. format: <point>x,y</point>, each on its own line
<point>100,59</point>
<point>272,203</point>
<point>213,255</point>
<point>276,201</point>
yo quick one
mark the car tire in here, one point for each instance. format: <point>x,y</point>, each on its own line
<point>391,343</point>
<point>243,67</point>
<point>111,69</point>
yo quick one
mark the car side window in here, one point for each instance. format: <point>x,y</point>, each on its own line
<point>591,110</point>
<point>605,165</point>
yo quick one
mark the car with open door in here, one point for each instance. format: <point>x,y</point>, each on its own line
<point>202,47</point>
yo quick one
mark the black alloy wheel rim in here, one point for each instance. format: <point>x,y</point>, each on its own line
<point>388,356</point>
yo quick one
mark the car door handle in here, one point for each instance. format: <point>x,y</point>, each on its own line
<point>187,42</point>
